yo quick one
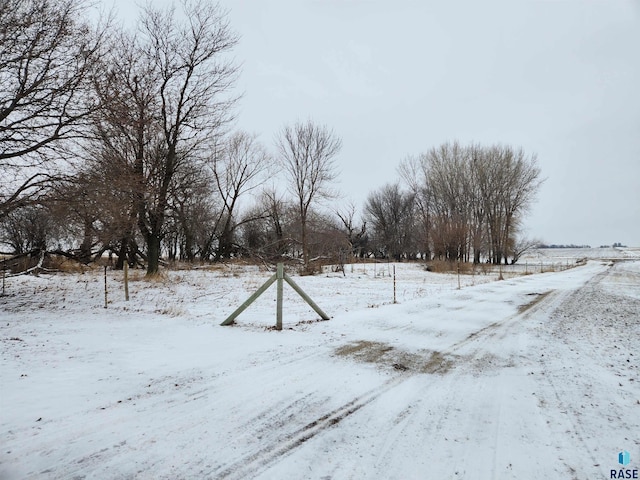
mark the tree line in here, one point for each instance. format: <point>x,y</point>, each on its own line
<point>120,141</point>
<point>460,203</point>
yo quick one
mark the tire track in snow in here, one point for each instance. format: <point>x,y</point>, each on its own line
<point>441,403</point>
<point>431,403</point>
<point>195,404</point>
<point>253,464</point>
<point>434,404</point>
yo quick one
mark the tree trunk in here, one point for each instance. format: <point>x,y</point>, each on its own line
<point>189,246</point>
<point>225,241</point>
<point>153,254</point>
<point>87,242</point>
<point>305,248</point>
<point>122,254</point>
<point>224,246</point>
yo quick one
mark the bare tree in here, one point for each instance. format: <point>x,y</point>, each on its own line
<point>524,182</point>
<point>193,214</point>
<point>268,233</point>
<point>447,169</point>
<point>94,215</point>
<point>490,180</point>
<point>167,98</point>
<point>28,229</point>
<point>307,152</point>
<point>478,232</point>
<point>520,245</point>
<point>470,198</point>
<point>355,237</point>
<point>126,134</point>
<point>390,212</point>
<point>328,243</point>
<point>507,181</point>
<point>238,169</point>
<point>46,56</point>
<point>414,171</point>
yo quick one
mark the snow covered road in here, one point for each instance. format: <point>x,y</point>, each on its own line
<point>535,377</point>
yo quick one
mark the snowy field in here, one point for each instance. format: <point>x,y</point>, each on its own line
<point>533,377</point>
<point>572,254</point>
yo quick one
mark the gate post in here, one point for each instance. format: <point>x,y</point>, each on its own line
<point>280,277</point>
<point>280,280</point>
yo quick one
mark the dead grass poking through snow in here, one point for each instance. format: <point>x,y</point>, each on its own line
<point>66,265</point>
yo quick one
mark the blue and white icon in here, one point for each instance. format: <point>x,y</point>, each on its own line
<point>624,458</point>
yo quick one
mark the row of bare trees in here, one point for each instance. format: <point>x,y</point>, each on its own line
<point>120,141</point>
<point>121,138</point>
<point>459,203</point>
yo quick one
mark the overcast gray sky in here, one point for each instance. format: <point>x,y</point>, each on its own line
<point>559,78</point>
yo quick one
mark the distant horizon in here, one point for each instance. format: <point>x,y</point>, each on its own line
<point>586,245</point>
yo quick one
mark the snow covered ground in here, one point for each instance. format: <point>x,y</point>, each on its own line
<point>572,254</point>
<point>534,377</point>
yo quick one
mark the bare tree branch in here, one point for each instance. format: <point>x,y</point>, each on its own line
<point>307,154</point>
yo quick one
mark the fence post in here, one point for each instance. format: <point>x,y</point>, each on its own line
<point>105,286</point>
<point>394,284</point>
<point>126,281</point>
<point>279,279</point>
